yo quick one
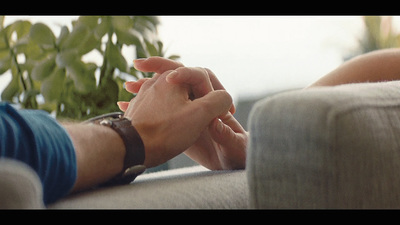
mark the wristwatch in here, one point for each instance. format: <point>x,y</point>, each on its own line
<point>135,153</point>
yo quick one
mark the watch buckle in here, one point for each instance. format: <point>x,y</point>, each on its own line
<point>134,170</point>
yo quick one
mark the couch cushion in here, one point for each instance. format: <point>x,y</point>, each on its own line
<point>330,147</point>
<point>185,188</point>
<point>20,186</point>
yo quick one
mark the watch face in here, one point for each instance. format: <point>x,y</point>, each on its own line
<point>106,122</point>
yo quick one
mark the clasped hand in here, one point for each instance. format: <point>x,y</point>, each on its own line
<point>185,109</point>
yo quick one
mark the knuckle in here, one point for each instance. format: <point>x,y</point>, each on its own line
<point>162,63</point>
<point>193,73</point>
<point>147,84</point>
<point>210,73</point>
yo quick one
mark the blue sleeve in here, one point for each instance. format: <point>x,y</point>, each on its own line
<point>37,139</point>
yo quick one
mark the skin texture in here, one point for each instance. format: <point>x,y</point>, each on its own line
<point>376,66</point>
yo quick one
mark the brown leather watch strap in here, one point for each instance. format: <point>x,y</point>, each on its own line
<point>135,152</point>
<point>133,143</point>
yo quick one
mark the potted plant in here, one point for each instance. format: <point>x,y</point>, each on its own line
<point>49,73</point>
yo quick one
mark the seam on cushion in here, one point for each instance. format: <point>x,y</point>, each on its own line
<point>252,169</point>
<point>253,194</point>
<point>334,112</point>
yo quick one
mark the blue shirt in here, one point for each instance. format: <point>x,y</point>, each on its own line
<point>37,139</point>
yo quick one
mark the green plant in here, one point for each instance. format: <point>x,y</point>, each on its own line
<point>49,73</point>
<point>379,34</point>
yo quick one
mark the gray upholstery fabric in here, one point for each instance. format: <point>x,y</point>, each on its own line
<point>331,147</point>
<point>186,188</point>
<point>20,187</point>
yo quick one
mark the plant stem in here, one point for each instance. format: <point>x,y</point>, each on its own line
<point>105,71</point>
<point>14,58</point>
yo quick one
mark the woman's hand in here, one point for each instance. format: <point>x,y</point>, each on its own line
<point>222,142</point>
<point>168,121</point>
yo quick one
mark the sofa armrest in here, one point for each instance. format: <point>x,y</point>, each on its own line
<point>20,187</point>
<point>184,188</point>
<point>328,147</point>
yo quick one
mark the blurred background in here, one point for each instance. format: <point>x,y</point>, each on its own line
<point>254,56</point>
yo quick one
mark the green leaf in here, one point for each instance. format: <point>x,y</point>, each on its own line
<point>146,23</point>
<point>128,37</point>
<point>11,90</point>
<point>20,46</point>
<point>34,51</point>
<point>82,76</point>
<point>3,43</point>
<point>107,94</point>
<point>90,43</point>
<point>52,86</point>
<point>141,52</point>
<point>29,100</point>
<point>122,22</point>
<point>78,35</point>
<point>5,64</point>
<point>123,95</point>
<point>174,57</point>
<point>63,35</point>
<point>4,53</point>
<point>151,48</point>
<point>48,106</point>
<point>43,69</point>
<point>42,35</point>
<point>21,27</point>
<point>67,57</point>
<point>116,59</point>
<point>90,21</point>
<point>6,34</point>
<point>103,27</point>
<point>1,21</point>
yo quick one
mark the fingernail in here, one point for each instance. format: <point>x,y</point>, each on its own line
<point>140,60</point>
<point>129,82</point>
<point>172,74</point>
<point>119,103</point>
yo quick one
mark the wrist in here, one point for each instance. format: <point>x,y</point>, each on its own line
<point>134,147</point>
<point>99,154</point>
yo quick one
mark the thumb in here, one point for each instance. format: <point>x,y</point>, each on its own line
<point>197,78</point>
<point>212,105</point>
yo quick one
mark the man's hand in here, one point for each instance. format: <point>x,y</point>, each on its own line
<point>167,119</point>
<point>222,145</point>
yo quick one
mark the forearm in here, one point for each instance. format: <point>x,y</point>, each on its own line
<point>381,65</point>
<point>100,153</point>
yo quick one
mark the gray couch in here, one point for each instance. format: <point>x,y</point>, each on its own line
<point>332,147</point>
